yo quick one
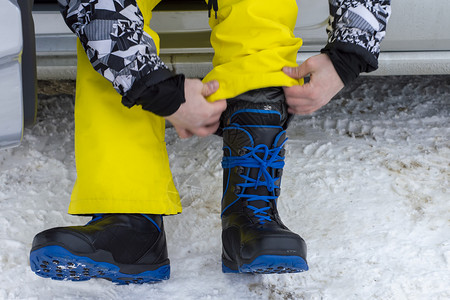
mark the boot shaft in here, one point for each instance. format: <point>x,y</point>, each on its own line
<point>253,137</point>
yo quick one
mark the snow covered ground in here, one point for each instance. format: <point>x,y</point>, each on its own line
<point>366,185</point>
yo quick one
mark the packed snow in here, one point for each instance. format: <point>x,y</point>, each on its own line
<point>366,184</point>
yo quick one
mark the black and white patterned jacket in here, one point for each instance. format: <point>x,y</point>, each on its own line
<point>111,32</point>
<point>358,26</point>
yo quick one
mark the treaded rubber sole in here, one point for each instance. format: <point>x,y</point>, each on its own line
<point>57,263</point>
<point>271,264</point>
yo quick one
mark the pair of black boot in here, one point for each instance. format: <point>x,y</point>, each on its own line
<point>131,248</point>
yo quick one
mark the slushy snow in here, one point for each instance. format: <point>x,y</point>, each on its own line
<point>366,184</point>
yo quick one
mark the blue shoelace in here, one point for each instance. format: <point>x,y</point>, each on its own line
<point>269,159</point>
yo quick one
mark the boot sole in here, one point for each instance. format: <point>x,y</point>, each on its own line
<point>57,263</point>
<point>268,264</point>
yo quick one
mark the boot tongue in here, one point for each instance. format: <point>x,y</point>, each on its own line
<point>252,127</point>
<point>246,130</point>
<point>249,136</point>
<point>263,114</point>
<point>263,190</point>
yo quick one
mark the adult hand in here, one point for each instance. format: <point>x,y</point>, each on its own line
<point>197,116</point>
<point>323,85</point>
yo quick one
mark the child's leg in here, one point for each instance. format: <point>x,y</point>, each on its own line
<point>253,236</point>
<point>253,40</point>
<point>121,158</point>
<point>123,176</point>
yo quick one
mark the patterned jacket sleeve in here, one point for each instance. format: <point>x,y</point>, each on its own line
<point>112,34</point>
<point>358,26</point>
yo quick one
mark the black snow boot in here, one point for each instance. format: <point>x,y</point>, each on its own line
<point>253,236</point>
<point>123,248</point>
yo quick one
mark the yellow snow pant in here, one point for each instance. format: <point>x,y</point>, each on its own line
<point>121,158</point>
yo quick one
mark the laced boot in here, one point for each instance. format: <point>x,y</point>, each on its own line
<point>253,236</point>
<point>123,248</point>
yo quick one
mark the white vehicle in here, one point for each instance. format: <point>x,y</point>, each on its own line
<point>417,43</point>
<point>17,71</point>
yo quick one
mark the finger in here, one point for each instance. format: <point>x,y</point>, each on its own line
<point>210,88</point>
<point>213,127</point>
<point>218,107</point>
<point>293,91</point>
<point>215,110</point>
<point>307,112</point>
<point>305,109</point>
<point>202,132</point>
<point>207,130</point>
<point>183,133</point>
<point>180,132</point>
<point>294,109</point>
<point>306,92</point>
<point>187,134</point>
<point>291,110</point>
<point>297,72</point>
<point>295,95</point>
<point>298,111</point>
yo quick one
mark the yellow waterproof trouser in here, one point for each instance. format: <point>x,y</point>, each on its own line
<point>253,40</point>
<point>121,158</point>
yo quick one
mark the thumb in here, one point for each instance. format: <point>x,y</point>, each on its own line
<point>210,88</point>
<point>297,72</point>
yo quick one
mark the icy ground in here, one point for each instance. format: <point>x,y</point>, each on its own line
<point>366,185</point>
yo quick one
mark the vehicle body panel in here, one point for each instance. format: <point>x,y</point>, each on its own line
<point>417,40</point>
<point>417,43</point>
<point>11,110</point>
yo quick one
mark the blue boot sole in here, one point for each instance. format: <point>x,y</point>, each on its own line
<point>57,263</point>
<point>271,264</point>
